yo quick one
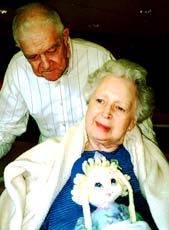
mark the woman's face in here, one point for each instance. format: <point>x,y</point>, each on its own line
<point>111,112</point>
<point>47,52</point>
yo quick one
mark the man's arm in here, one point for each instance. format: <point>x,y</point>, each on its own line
<point>13,112</point>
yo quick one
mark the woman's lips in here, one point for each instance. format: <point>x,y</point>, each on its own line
<point>102,127</point>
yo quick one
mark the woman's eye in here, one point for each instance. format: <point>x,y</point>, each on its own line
<point>113,181</point>
<point>101,101</point>
<point>98,185</point>
<point>119,108</point>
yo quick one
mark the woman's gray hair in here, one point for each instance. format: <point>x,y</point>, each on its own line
<point>32,13</point>
<point>123,68</point>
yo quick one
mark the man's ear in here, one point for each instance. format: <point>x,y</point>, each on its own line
<point>17,45</point>
<point>65,35</point>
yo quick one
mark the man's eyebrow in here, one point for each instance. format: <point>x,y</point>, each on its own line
<point>54,45</point>
<point>33,55</point>
<point>29,56</point>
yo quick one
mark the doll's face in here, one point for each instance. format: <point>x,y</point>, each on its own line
<point>103,188</point>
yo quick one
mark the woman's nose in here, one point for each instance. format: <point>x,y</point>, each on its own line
<point>107,112</point>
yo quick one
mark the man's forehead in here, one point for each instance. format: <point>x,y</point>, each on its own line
<point>39,41</point>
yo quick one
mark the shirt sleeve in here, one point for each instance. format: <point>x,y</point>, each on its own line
<point>13,111</point>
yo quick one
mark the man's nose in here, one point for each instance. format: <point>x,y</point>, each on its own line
<point>44,61</point>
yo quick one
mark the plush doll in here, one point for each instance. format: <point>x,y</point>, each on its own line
<point>100,185</point>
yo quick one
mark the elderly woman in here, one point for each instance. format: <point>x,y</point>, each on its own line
<point>39,182</point>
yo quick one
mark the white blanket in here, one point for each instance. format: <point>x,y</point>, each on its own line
<point>35,178</point>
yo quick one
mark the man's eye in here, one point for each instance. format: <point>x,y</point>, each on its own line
<point>101,101</point>
<point>32,57</point>
<point>53,49</point>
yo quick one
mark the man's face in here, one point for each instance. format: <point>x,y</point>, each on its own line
<point>47,52</point>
